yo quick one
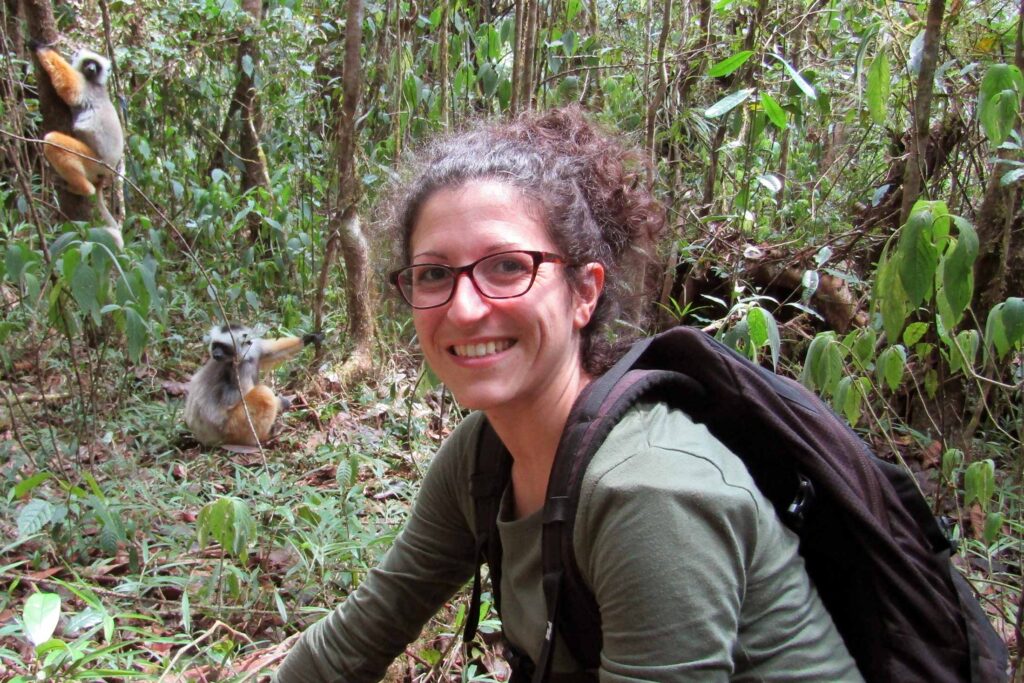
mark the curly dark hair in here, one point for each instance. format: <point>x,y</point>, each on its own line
<point>591,190</point>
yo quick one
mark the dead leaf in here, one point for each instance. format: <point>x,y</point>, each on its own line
<point>931,456</point>
<point>977,521</point>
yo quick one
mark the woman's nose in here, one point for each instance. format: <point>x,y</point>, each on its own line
<point>467,302</point>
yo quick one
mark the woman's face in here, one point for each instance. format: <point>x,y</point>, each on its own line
<point>499,354</point>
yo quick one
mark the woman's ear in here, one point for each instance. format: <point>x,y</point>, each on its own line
<point>588,292</point>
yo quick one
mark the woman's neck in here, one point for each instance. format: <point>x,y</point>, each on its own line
<point>531,433</point>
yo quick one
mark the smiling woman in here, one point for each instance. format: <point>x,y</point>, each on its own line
<point>515,245</point>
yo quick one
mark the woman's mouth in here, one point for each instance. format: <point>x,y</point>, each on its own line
<point>481,349</point>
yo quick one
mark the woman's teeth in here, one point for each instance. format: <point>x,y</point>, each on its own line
<point>483,349</point>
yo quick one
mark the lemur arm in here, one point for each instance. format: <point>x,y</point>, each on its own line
<point>69,84</point>
<point>273,352</point>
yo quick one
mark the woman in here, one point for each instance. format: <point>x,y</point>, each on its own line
<point>516,241</point>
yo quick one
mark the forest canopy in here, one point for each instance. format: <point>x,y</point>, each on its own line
<point>843,184</point>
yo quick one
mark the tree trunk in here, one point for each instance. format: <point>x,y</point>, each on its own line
<point>922,108</point>
<point>442,48</point>
<point>654,104</point>
<point>999,209</point>
<point>56,114</point>
<point>518,54</point>
<point>345,229</point>
<point>255,175</point>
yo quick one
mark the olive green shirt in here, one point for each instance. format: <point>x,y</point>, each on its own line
<point>696,577</point>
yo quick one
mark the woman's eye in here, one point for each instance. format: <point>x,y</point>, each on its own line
<point>429,275</point>
<point>509,266</point>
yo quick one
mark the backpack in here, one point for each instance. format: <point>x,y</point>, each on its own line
<point>878,558</point>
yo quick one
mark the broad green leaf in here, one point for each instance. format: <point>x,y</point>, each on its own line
<point>999,101</point>
<point>890,297</point>
<point>848,399</point>
<point>728,103</point>
<point>891,364</point>
<point>229,522</point>
<point>36,514</point>
<point>138,333</point>
<point>801,83</point>
<point>730,64</point>
<point>914,333</point>
<point>1013,320</point>
<point>775,113</point>
<point>980,483</point>
<point>1012,177</point>
<point>952,460</point>
<point>931,383</point>
<point>958,272</point>
<point>993,527</point>
<point>41,614</point>
<point>995,331</point>
<point>864,346</point>
<point>963,350</point>
<point>757,327</point>
<point>918,257</point>
<point>812,371</point>
<point>83,287</point>
<point>25,486</point>
<point>878,88</point>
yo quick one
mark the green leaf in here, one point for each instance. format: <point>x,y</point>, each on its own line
<point>878,88</point>
<point>83,286</point>
<point>890,298</point>
<point>952,460</point>
<point>1013,320</point>
<point>980,483</point>
<point>757,327</point>
<point>863,346</point>
<point>891,364</point>
<point>918,256</point>
<point>138,333</point>
<point>999,100</point>
<point>801,83</point>
<point>993,527</point>
<point>728,103</point>
<point>914,333</point>
<point>730,64</point>
<point>958,272</point>
<point>814,374</point>
<point>41,614</point>
<point>995,331</point>
<point>36,514</point>
<point>931,383</point>
<point>775,113</point>
<point>229,522</point>
<point>963,351</point>
<point>25,486</point>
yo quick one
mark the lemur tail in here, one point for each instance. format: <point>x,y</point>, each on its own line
<point>111,224</point>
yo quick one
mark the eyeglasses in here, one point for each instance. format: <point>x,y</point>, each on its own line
<point>505,275</point>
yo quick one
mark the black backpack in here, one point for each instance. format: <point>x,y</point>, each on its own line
<point>877,556</point>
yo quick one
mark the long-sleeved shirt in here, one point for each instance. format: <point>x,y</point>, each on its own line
<point>696,577</point>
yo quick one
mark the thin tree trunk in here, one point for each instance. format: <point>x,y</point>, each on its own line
<point>996,216</point>
<point>654,104</point>
<point>255,173</point>
<point>443,50</point>
<point>41,26</point>
<point>345,229</point>
<point>922,108</point>
<point>517,54</point>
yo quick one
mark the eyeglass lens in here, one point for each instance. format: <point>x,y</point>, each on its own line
<point>499,276</point>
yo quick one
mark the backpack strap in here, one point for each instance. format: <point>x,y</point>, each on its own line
<point>490,477</point>
<point>597,410</point>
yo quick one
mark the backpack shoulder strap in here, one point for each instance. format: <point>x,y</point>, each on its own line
<point>597,410</point>
<point>491,470</point>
